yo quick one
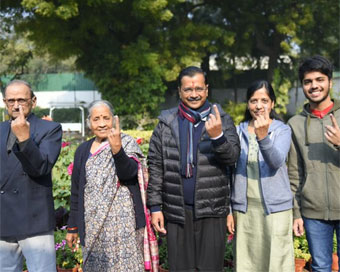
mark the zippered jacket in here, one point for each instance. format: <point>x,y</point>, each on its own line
<point>165,188</point>
<point>274,182</point>
<point>314,166</point>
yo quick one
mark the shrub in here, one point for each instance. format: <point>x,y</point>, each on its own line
<point>163,252</point>
<point>142,137</point>
<point>40,112</point>
<point>301,248</point>
<point>61,176</point>
<point>235,110</point>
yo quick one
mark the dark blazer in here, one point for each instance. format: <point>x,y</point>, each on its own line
<point>124,167</point>
<point>26,201</point>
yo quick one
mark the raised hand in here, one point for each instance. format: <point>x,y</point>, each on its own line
<point>20,126</point>
<point>114,136</point>
<point>332,133</point>
<point>214,124</point>
<point>261,124</point>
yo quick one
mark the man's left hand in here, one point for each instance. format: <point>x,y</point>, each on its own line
<point>20,127</point>
<point>214,124</point>
<point>332,133</point>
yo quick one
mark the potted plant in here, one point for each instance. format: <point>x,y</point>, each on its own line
<point>163,254</point>
<point>68,260</point>
<point>335,264</point>
<point>301,252</point>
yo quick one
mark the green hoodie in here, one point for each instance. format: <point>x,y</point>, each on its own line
<point>314,166</point>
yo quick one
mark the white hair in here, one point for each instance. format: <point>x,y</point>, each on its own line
<point>96,104</point>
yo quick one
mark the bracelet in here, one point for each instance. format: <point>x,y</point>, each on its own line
<point>75,228</point>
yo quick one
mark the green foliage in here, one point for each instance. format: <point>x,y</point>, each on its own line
<point>301,248</point>
<point>2,114</point>
<point>61,176</point>
<point>144,134</point>
<point>235,110</point>
<point>281,87</point>
<point>72,115</point>
<point>138,121</point>
<point>65,256</point>
<point>163,252</point>
<point>40,112</point>
<point>335,244</point>
<point>131,49</point>
<point>229,253</point>
<point>19,56</point>
<point>142,137</point>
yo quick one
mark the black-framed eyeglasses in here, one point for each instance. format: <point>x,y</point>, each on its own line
<point>191,90</point>
<point>21,101</point>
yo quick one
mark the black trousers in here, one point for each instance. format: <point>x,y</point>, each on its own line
<point>198,245</point>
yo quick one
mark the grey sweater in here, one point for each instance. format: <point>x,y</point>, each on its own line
<point>274,181</point>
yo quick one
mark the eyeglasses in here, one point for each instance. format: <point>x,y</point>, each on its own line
<point>21,101</point>
<point>191,90</point>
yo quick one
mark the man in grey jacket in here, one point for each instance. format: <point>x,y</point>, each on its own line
<point>314,163</point>
<point>190,150</point>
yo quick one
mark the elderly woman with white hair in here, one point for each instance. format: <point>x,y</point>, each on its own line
<point>106,205</point>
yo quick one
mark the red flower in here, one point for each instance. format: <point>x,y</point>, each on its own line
<point>230,238</point>
<point>70,169</point>
<point>139,140</point>
<point>63,144</point>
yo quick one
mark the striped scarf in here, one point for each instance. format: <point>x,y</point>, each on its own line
<point>191,118</point>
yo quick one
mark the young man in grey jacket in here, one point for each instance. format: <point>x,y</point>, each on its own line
<point>314,163</point>
<point>190,150</point>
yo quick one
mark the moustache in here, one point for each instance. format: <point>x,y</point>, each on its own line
<point>194,98</point>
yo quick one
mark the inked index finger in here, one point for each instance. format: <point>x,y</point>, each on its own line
<point>334,122</point>
<point>21,112</point>
<point>217,113</point>
<point>117,127</point>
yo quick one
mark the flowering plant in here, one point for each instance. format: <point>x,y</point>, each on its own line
<point>301,248</point>
<point>228,253</point>
<point>61,175</point>
<point>65,256</point>
<point>142,138</point>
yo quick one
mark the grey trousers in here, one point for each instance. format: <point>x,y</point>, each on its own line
<point>38,250</point>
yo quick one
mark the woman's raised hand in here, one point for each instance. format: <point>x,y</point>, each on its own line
<point>114,136</point>
<point>261,124</point>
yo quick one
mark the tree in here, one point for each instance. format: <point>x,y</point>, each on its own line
<point>18,55</point>
<point>131,49</point>
<point>273,36</point>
